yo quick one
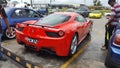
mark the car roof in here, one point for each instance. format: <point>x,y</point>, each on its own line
<point>67,13</point>
<point>15,8</point>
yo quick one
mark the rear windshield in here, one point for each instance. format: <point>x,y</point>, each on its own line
<point>53,19</point>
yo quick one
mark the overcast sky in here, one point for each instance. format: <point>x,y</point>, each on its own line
<point>88,2</point>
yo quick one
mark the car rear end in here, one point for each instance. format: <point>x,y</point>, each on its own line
<point>38,38</point>
<point>45,36</point>
<point>113,56</point>
<point>95,15</point>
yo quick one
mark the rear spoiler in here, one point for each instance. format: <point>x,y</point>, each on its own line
<point>40,25</point>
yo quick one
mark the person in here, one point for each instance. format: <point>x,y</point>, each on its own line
<point>112,22</point>
<point>47,11</point>
<point>29,6</point>
<point>4,16</point>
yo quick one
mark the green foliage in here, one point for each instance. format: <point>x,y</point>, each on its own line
<point>105,11</point>
<point>94,2</point>
<point>97,3</point>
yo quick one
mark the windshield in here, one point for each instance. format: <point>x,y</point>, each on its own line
<point>53,19</point>
<point>6,9</point>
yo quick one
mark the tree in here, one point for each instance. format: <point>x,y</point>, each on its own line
<point>97,3</point>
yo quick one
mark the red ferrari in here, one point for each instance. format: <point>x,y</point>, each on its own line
<point>59,32</point>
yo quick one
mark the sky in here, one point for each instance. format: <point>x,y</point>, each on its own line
<point>88,2</point>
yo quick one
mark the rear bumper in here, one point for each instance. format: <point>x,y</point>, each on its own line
<point>59,45</point>
<point>115,54</point>
<point>113,59</point>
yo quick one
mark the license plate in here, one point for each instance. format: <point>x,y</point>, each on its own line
<point>31,40</point>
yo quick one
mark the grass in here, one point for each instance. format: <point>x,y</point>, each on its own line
<point>105,11</point>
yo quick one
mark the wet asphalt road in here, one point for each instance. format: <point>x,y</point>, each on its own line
<point>91,57</point>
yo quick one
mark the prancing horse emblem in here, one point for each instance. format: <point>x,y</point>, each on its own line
<point>32,31</point>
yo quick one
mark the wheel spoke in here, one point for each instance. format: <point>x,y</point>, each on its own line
<point>74,45</point>
<point>12,34</point>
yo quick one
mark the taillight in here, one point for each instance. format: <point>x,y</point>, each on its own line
<point>55,34</point>
<point>20,27</point>
<point>117,39</point>
<point>61,33</point>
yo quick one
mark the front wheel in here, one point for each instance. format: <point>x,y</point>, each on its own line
<point>73,45</point>
<point>12,34</point>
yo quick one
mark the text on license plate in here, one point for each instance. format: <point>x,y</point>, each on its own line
<point>31,40</point>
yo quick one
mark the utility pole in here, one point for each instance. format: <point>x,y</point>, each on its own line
<point>50,2</point>
<point>85,2</point>
<point>31,3</point>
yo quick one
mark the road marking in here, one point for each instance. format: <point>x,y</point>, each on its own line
<point>74,56</point>
<point>23,62</point>
<point>28,65</point>
<point>17,59</point>
<point>36,67</point>
<point>8,53</point>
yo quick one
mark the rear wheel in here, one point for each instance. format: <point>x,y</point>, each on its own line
<point>73,45</point>
<point>12,34</point>
<point>108,63</point>
<point>90,30</point>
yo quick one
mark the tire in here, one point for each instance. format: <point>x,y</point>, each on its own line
<point>11,35</point>
<point>90,30</point>
<point>108,63</point>
<point>26,47</point>
<point>73,45</point>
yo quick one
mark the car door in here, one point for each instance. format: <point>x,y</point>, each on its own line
<point>17,16</point>
<point>32,15</point>
<point>82,26</point>
<point>20,15</point>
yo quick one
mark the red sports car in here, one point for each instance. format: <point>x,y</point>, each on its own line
<point>59,32</point>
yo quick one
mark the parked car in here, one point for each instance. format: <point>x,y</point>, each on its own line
<point>84,11</point>
<point>42,10</point>
<point>54,10</point>
<point>18,15</point>
<point>113,55</point>
<point>95,14</point>
<point>107,15</point>
<point>70,10</point>
<point>60,32</point>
